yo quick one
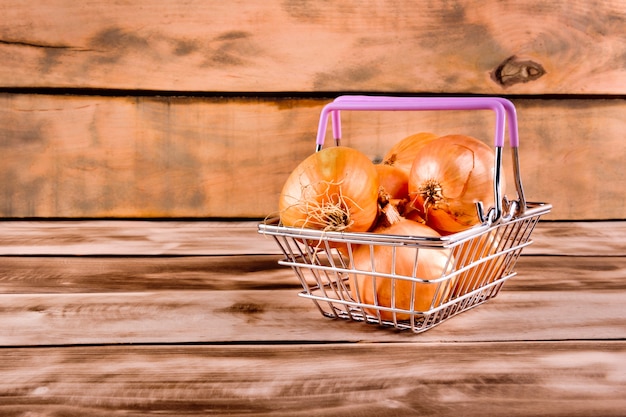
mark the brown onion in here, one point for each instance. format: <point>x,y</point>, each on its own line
<point>402,153</point>
<point>476,249</point>
<point>393,181</point>
<point>431,264</point>
<point>449,175</point>
<point>335,189</point>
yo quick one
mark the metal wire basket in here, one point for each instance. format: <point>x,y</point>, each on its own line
<point>478,261</point>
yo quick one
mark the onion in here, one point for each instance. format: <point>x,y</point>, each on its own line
<point>403,153</point>
<point>335,189</point>
<point>393,196</point>
<point>449,175</point>
<point>394,181</point>
<point>398,292</point>
<point>475,249</point>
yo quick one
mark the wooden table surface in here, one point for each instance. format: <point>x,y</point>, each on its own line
<point>128,318</point>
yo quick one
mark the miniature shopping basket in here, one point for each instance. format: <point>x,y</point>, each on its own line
<point>479,260</point>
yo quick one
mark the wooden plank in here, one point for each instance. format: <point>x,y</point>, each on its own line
<point>70,156</point>
<point>129,157</point>
<point>579,238</point>
<point>48,275</point>
<point>220,299</point>
<point>200,316</point>
<point>202,237</point>
<point>134,237</point>
<point>250,298</point>
<point>425,379</point>
<point>471,46</point>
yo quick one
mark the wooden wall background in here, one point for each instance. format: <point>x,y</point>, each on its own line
<point>116,114</point>
<point>201,108</point>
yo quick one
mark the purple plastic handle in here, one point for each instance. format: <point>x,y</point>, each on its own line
<point>501,106</point>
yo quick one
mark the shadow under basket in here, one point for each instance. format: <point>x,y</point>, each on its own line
<point>477,264</point>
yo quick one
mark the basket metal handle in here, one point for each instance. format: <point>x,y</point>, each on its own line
<point>501,106</point>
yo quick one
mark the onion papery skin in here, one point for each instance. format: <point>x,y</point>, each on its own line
<point>449,175</point>
<point>402,153</point>
<point>394,181</point>
<point>337,177</point>
<point>432,263</point>
<point>483,273</point>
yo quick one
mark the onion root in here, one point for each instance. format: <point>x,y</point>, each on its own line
<point>432,194</point>
<point>327,211</point>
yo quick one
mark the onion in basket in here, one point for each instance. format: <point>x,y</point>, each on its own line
<point>449,175</point>
<point>396,292</point>
<point>402,153</point>
<point>335,189</point>
<point>481,249</point>
<point>393,181</point>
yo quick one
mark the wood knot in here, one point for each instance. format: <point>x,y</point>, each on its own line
<point>514,70</point>
<point>244,308</point>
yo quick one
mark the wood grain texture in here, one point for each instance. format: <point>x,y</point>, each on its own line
<point>196,317</point>
<point>225,334</point>
<point>400,379</point>
<point>435,46</point>
<point>84,274</point>
<point>71,156</point>
<point>63,275</point>
<point>135,237</point>
<point>579,238</point>
<point>265,315</point>
<point>228,238</point>
<point>214,296</point>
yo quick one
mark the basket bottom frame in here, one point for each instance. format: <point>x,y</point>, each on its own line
<point>419,321</point>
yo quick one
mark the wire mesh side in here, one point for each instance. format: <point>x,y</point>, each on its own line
<point>476,268</point>
<point>318,267</point>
